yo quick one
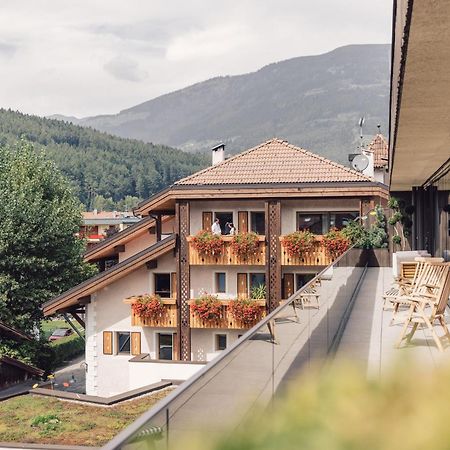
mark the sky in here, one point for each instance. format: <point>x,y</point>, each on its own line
<point>89,57</point>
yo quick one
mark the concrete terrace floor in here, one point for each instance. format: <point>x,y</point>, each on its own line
<point>369,339</point>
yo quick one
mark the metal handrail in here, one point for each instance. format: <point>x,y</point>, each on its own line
<point>164,403</point>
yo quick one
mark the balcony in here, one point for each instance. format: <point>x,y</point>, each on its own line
<point>227,321</point>
<point>227,258</point>
<point>316,257</point>
<point>167,320</point>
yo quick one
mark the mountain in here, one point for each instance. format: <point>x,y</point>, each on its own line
<point>99,164</point>
<point>312,101</point>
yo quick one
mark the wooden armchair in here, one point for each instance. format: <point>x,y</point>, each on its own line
<point>428,302</point>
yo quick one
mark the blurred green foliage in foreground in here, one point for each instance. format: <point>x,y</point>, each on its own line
<point>338,408</point>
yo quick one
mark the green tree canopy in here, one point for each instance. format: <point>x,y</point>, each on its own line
<point>40,256</point>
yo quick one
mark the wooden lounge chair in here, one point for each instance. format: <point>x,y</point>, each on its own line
<point>427,305</point>
<point>310,294</point>
<point>406,284</point>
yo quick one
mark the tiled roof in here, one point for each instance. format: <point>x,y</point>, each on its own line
<point>379,147</point>
<point>274,162</point>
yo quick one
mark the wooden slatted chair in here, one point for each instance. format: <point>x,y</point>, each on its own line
<point>309,295</point>
<point>427,305</point>
<point>407,283</point>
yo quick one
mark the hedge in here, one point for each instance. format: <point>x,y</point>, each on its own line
<point>65,349</point>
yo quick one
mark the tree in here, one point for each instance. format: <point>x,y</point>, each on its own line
<point>40,256</point>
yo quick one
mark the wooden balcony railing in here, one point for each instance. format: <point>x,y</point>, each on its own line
<point>316,257</point>
<point>227,321</point>
<point>168,320</point>
<point>228,258</point>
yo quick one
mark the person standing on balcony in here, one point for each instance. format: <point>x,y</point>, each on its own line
<point>232,229</point>
<point>215,229</point>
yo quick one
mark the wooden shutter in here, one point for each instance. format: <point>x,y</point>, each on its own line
<point>207,220</point>
<point>176,353</point>
<point>243,221</point>
<point>135,343</point>
<point>107,342</point>
<point>242,285</point>
<point>288,285</point>
<point>173,285</point>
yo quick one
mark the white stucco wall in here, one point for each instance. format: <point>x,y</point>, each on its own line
<point>136,245</point>
<point>204,342</point>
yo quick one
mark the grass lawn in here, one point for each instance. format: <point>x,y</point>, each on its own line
<point>49,326</point>
<point>44,420</point>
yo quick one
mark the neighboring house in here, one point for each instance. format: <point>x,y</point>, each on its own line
<point>97,225</point>
<point>379,151</point>
<point>273,190</point>
<point>13,370</point>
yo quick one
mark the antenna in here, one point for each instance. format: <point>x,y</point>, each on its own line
<point>361,123</point>
<point>379,128</point>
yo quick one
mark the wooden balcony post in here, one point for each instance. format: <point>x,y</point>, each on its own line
<point>273,255</point>
<point>183,282</point>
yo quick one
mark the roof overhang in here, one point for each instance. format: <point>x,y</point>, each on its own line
<point>420,92</point>
<point>76,295</point>
<point>21,365</point>
<point>13,333</point>
<point>168,197</point>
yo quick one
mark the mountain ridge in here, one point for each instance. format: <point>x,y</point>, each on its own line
<point>312,101</point>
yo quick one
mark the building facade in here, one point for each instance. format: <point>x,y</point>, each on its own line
<point>273,189</point>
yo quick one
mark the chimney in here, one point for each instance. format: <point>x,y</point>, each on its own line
<point>218,153</point>
<point>370,169</point>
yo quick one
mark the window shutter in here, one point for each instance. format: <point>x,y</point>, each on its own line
<point>135,343</point>
<point>243,221</point>
<point>176,352</point>
<point>107,343</point>
<point>242,285</point>
<point>288,285</point>
<point>207,220</point>
<point>173,285</point>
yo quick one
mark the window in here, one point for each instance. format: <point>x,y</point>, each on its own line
<point>162,284</point>
<point>303,278</point>
<point>165,346</point>
<point>224,218</point>
<point>221,285</point>
<point>257,279</point>
<point>258,222</point>
<point>221,342</point>
<point>311,222</point>
<point>340,220</point>
<point>123,342</point>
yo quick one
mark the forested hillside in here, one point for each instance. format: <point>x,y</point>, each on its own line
<point>100,165</point>
<point>312,101</point>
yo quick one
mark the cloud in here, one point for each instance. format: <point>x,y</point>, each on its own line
<point>8,49</point>
<point>124,68</point>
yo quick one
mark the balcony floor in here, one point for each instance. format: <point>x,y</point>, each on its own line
<point>369,339</point>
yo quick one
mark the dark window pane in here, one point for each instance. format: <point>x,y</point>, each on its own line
<point>165,346</point>
<point>256,279</point>
<point>340,220</point>
<point>258,222</point>
<point>311,222</point>
<point>123,342</point>
<point>303,278</point>
<point>224,218</point>
<point>162,284</point>
<point>221,341</point>
<point>220,282</point>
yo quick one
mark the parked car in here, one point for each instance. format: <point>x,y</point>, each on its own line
<point>60,333</point>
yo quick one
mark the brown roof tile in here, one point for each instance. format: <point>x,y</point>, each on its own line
<point>379,147</point>
<point>274,161</point>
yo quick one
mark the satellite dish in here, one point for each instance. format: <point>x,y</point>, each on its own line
<point>360,162</point>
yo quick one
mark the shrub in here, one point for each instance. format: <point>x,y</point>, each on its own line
<point>357,234</point>
<point>246,311</point>
<point>245,245</point>
<point>299,242</point>
<point>66,349</point>
<point>258,292</point>
<point>208,308</point>
<point>335,242</point>
<point>149,306</point>
<point>207,243</point>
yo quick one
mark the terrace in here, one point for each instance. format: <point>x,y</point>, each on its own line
<point>350,324</point>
